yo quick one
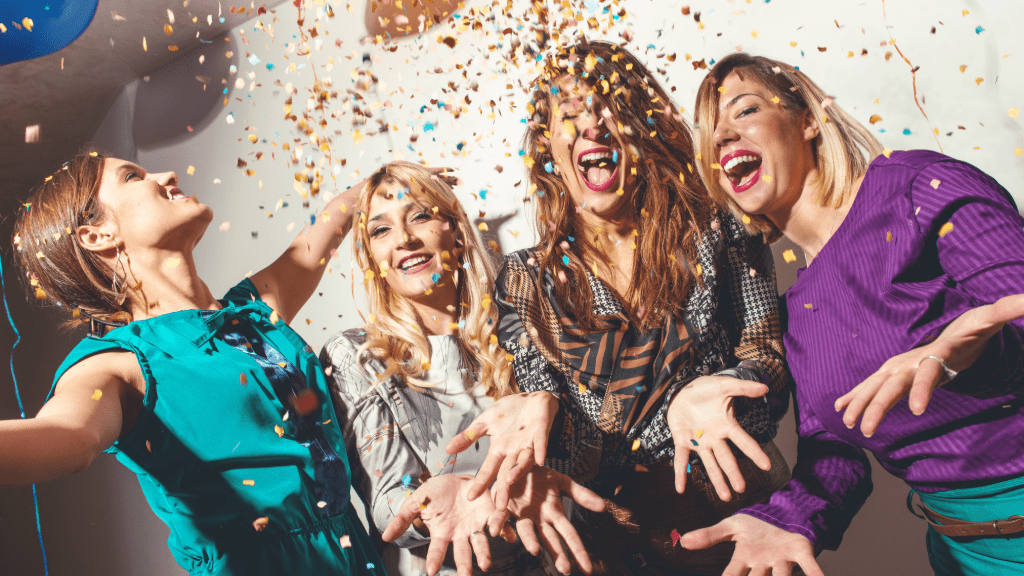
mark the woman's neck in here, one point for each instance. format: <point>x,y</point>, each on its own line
<point>439,310</point>
<point>809,224</point>
<point>164,281</point>
<point>614,242</point>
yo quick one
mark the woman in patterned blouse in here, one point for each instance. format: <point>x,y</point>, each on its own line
<point>650,318</point>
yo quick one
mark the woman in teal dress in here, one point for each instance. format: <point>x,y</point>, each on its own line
<point>218,406</point>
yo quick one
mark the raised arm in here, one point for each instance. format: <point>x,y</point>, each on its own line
<point>83,418</point>
<point>290,280</point>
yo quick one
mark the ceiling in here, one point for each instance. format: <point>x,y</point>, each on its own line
<point>69,92</point>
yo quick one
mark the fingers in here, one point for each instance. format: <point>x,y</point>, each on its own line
<point>736,568</point>
<point>714,473</point>
<point>859,397</point>
<point>549,539</point>
<point>436,553</point>
<point>463,555</point>
<point>737,387</point>
<point>528,535</point>
<point>582,496</point>
<point>809,565</point>
<point>485,477</point>
<point>707,537</point>
<point>482,549</point>
<point>888,394</point>
<point>523,464</point>
<point>750,447</point>
<point>469,436</point>
<point>681,462</point>
<point>727,461</point>
<point>409,511</point>
<point>575,544</point>
<point>929,374</point>
<point>496,522</point>
<point>540,446</point>
<point>501,487</point>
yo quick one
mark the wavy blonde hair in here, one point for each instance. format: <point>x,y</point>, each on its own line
<point>395,335</point>
<point>842,151</point>
<point>670,203</point>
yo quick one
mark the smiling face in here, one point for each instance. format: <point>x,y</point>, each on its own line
<point>588,152</point>
<point>148,209</point>
<point>764,150</point>
<point>410,244</point>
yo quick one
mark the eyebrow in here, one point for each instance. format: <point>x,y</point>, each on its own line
<point>734,100</point>
<point>383,215</point>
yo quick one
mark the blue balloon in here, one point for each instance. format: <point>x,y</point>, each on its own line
<point>54,25</point>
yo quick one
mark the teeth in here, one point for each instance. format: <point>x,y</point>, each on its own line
<point>739,160</point>
<point>594,157</point>
<point>414,262</point>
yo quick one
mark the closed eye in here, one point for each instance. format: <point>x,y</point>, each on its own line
<point>378,231</point>
<point>421,216</point>
<point>131,175</point>
<point>746,111</point>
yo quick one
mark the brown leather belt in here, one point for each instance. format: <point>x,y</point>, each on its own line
<point>962,529</point>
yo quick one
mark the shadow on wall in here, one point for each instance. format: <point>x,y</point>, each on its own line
<point>185,94</point>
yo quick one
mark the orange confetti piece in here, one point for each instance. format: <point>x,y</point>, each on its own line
<point>249,482</point>
<point>808,306</point>
<point>273,317</point>
<point>789,256</point>
<point>27,23</point>
<point>874,118</point>
<point>279,430</point>
<point>144,47</point>
<point>97,394</point>
<point>946,229</point>
<point>979,80</point>
<point>636,444</point>
<point>260,524</point>
<point>243,380</point>
<point>583,388</point>
<point>40,294</point>
<point>888,236</point>
<point>168,30</point>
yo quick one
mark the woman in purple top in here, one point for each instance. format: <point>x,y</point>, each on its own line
<point>917,259</point>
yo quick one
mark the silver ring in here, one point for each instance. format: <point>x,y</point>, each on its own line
<point>474,533</point>
<point>950,374</point>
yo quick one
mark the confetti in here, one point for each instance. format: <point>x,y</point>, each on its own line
<point>636,444</point>
<point>260,524</point>
<point>249,482</point>
<point>808,306</point>
<point>1014,112</point>
<point>698,433</point>
<point>345,542</point>
<point>225,226</point>
<point>96,395</point>
<point>279,430</point>
<point>887,152</point>
<point>935,183</point>
<point>694,442</point>
<point>191,170</point>
<point>946,229</point>
<point>145,48</point>
<point>172,262</point>
<point>875,118</point>
<point>32,134</point>
<point>321,504</point>
<point>888,236</point>
<point>675,537</point>
<point>28,23</point>
<point>243,380</point>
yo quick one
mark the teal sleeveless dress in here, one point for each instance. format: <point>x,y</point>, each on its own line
<point>235,445</point>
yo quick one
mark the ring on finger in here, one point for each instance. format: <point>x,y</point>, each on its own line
<point>474,533</point>
<point>950,373</point>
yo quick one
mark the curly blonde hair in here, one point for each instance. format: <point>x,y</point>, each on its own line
<point>395,335</point>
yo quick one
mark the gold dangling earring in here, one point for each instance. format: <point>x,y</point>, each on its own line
<point>113,285</point>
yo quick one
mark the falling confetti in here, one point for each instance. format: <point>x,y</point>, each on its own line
<point>789,256</point>
<point>96,395</point>
<point>946,229</point>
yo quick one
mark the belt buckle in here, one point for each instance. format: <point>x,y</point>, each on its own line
<point>1015,517</point>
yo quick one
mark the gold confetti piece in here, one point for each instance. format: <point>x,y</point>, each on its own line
<point>494,339</point>
<point>483,226</point>
<point>423,506</point>
<point>792,42</point>
<point>144,47</point>
<point>721,89</point>
<point>249,482</point>
<point>888,236</point>
<point>168,30</point>
<point>875,118</point>
<point>149,447</point>
<point>700,270</point>
<point>279,430</point>
<point>808,306</point>
<point>746,219</point>
<point>345,541</point>
<point>253,138</point>
<point>946,229</point>
<point>273,317</point>
<point>40,295</point>
<point>509,357</point>
<point>172,262</point>
<point>698,433</point>
<point>789,256</point>
<point>583,389</point>
<point>767,177</point>
<point>935,183</point>
<point>260,524</point>
<point>97,394</point>
<point>40,255</point>
<point>243,380</point>
<point>965,12</point>
<point>963,68</point>
<point>979,80</point>
<point>775,99</point>
<point>27,23</point>
<point>1018,151</point>
<point>3,30</point>
<point>753,33</point>
<point>357,137</point>
<point>469,435</point>
<point>636,444</point>
<point>1014,112</point>
<point>887,152</point>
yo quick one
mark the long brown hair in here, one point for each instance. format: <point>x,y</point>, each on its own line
<point>57,268</point>
<point>395,334</point>
<point>669,202</point>
<point>842,150</point>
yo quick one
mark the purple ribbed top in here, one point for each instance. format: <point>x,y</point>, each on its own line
<point>868,297</point>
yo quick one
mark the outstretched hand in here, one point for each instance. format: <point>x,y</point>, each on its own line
<point>701,419</point>
<point>441,504</point>
<point>518,425</point>
<point>761,548</point>
<point>536,501</point>
<point>913,373</point>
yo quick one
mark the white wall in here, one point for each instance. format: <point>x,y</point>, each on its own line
<point>885,539</point>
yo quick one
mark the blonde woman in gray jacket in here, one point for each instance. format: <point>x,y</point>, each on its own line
<point>424,367</point>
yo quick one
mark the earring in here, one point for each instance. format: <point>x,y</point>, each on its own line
<point>558,171</point>
<point>113,283</point>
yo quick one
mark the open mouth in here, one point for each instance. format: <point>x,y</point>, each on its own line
<point>414,263</point>
<point>598,167</point>
<point>176,194</point>
<point>742,168</point>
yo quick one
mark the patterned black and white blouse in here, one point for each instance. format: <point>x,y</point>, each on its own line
<point>615,385</point>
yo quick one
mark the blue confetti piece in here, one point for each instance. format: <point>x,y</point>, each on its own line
<point>253,59</point>
<point>591,5</point>
<point>906,131</point>
<point>651,46</point>
<point>881,130</point>
<point>460,145</point>
<point>590,99</point>
<point>435,277</point>
<point>688,465</point>
<point>221,19</point>
<point>712,62</point>
<point>694,442</point>
<point>406,480</point>
<point>639,388</point>
<point>270,66</point>
<point>571,239</point>
<point>225,90</point>
<point>554,90</point>
<point>428,127</point>
<point>522,152</point>
<point>312,219</point>
<point>423,109</point>
<point>565,260</point>
<point>369,565</point>
<point>233,69</point>
<point>462,325</point>
<point>979,30</point>
<point>549,168</point>
<point>615,155</point>
<point>483,194</point>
